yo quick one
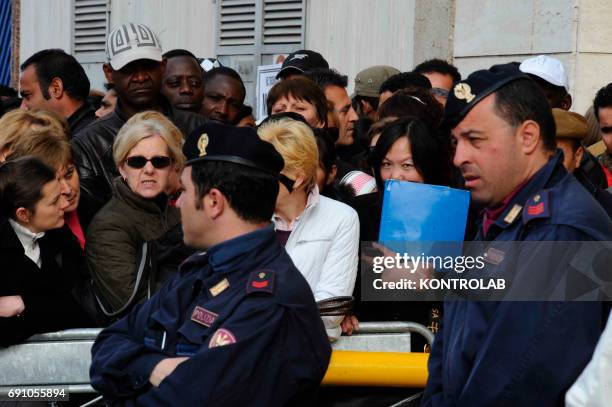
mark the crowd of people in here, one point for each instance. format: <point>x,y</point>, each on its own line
<point>202,241</point>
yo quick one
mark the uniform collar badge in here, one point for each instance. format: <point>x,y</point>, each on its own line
<point>513,213</point>
<point>219,287</point>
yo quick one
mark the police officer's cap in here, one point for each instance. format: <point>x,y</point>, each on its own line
<point>467,93</point>
<point>236,145</point>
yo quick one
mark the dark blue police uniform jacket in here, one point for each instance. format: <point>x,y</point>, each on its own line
<point>243,314</point>
<point>522,353</point>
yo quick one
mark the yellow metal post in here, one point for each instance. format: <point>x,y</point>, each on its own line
<point>380,369</point>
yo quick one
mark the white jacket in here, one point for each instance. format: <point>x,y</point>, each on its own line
<point>324,246</point>
<point>594,386</point>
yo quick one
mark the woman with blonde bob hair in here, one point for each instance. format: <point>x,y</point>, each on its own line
<point>20,124</point>
<point>147,152</point>
<point>321,235</point>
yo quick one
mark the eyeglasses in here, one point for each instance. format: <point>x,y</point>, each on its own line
<point>287,182</point>
<point>139,161</point>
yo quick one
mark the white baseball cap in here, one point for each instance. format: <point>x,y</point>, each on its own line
<point>547,68</point>
<point>130,42</point>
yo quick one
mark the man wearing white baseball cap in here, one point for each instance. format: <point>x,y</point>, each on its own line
<point>550,75</point>
<point>134,69</point>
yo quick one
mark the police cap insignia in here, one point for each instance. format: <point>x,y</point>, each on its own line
<point>464,91</point>
<point>202,144</point>
<point>467,93</point>
<point>235,145</point>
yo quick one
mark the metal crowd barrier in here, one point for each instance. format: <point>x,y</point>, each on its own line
<point>58,359</point>
<point>377,355</point>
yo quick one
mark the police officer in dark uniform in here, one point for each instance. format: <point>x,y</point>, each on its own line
<point>514,353</point>
<point>239,325</point>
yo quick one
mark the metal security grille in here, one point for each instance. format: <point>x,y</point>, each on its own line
<point>282,22</point>
<point>237,22</point>
<point>91,20</point>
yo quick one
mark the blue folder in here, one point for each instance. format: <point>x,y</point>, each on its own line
<point>414,212</point>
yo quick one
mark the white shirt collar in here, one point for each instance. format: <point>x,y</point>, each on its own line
<point>29,241</point>
<point>312,200</point>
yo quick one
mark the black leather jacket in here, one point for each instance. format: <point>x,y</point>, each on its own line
<point>93,151</point>
<point>82,118</point>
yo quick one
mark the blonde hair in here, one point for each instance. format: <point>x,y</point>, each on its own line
<point>144,125</point>
<point>46,146</point>
<point>22,124</point>
<point>297,145</point>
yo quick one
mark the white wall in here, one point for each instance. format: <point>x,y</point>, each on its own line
<point>355,34</point>
<point>187,24</point>
<point>593,64</point>
<point>577,32</point>
<point>45,24</point>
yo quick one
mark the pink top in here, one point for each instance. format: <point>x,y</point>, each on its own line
<point>72,220</point>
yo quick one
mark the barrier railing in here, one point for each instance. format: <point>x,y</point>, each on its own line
<point>377,355</point>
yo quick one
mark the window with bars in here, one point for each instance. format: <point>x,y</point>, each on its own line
<point>90,28</point>
<point>259,26</point>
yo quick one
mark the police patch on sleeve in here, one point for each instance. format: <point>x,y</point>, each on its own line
<point>261,281</point>
<point>203,316</point>
<point>221,337</point>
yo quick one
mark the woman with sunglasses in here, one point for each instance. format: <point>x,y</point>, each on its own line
<point>147,152</point>
<point>320,234</point>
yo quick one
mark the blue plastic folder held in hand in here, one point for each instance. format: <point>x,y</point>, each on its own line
<point>414,212</point>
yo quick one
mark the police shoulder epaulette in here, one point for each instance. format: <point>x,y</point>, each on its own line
<point>537,206</point>
<point>261,281</point>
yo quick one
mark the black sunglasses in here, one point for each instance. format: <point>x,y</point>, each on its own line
<point>139,161</point>
<point>287,182</point>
